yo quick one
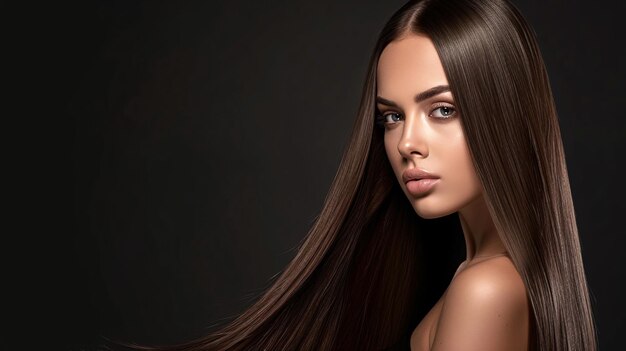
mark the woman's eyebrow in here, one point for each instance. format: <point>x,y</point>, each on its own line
<point>426,94</point>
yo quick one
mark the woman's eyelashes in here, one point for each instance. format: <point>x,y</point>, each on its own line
<point>440,111</point>
<point>446,111</point>
<point>383,119</point>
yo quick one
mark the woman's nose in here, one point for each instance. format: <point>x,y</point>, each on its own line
<point>413,139</point>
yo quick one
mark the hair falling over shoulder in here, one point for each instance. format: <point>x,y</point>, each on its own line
<point>369,268</point>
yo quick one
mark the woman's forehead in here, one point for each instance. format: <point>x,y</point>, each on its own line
<point>409,65</point>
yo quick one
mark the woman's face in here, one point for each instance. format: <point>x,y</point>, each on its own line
<point>424,133</point>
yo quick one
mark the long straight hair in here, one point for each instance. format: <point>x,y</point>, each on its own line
<point>369,268</point>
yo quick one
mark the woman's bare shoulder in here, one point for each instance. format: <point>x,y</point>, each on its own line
<point>485,308</point>
<point>498,270</point>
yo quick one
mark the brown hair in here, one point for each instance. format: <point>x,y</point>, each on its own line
<point>370,268</point>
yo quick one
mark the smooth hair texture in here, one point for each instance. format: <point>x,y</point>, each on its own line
<point>370,268</point>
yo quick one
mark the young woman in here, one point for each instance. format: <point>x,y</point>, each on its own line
<point>457,136</point>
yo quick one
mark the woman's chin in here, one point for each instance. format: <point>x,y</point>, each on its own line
<point>428,208</point>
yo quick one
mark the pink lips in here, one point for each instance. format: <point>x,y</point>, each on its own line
<point>419,187</point>
<point>419,181</point>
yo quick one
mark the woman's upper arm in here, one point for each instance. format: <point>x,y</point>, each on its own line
<point>484,310</point>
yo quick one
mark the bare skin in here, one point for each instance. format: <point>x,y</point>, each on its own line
<point>485,306</point>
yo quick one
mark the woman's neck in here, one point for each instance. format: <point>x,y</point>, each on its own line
<point>481,237</point>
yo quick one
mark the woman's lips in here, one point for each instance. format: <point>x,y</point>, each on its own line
<point>422,186</point>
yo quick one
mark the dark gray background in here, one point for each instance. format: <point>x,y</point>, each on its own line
<point>197,141</point>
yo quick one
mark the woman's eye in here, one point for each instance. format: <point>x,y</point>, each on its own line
<point>389,118</point>
<point>445,111</point>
